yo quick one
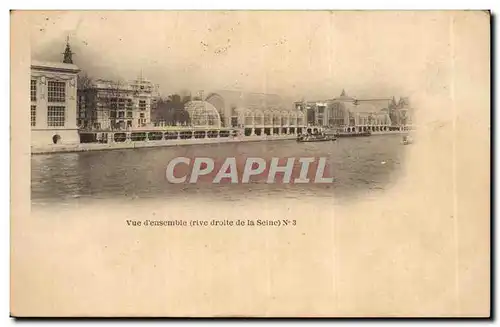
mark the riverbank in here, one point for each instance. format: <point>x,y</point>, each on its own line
<point>84,147</point>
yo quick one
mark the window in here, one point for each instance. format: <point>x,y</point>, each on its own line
<point>142,104</point>
<point>121,114</point>
<point>33,90</point>
<point>56,91</point>
<point>113,103</point>
<point>142,115</point>
<point>121,104</point>
<point>33,115</point>
<point>56,116</point>
<point>129,114</point>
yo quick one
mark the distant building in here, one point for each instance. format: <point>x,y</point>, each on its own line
<point>111,105</point>
<point>255,111</point>
<point>53,91</point>
<point>350,114</point>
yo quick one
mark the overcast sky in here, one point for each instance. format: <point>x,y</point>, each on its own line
<point>297,54</point>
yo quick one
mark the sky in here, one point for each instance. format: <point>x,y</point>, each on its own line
<point>309,55</point>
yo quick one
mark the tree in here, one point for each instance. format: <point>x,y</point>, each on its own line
<point>84,81</point>
<point>171,110</point>
<point>393,105</point>
<point>404,118</point>
<point>393,115</point>
<point>86,99</point>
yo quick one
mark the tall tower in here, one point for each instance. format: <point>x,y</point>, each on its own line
<point>68,54</point>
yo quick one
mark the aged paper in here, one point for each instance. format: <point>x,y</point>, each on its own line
<point>396,103</point>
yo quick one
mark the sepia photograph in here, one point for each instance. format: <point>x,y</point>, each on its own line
<point>247,163</point>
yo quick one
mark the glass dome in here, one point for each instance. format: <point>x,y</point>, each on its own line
<point>202,113</point>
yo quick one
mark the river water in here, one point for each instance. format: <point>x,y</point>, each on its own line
<point>360,166</point>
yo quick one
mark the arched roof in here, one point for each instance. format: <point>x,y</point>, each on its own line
<point>202,113</point>
<point>248,100</point>
<point>258,112</point>
<point>245,111</point>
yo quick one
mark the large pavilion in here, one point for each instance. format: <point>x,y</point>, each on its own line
<point>257,113</point>
<point>350,114</point>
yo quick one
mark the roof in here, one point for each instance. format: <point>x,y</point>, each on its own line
<point>56,66</point>
<point>202,113</point>
<point>203,106</point>
<point>240,99</point>
<point>368,107</point>
<point>360,107</point>
<point>344,98</point>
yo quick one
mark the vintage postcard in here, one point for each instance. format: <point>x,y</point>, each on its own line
<point>250,164</point>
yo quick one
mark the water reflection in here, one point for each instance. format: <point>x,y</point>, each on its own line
<point>359,166</point>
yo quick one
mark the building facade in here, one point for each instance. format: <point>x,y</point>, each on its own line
<point>349,114</point>
<point>257,113</point>
<point>112,105</point>
<point>53,91</point>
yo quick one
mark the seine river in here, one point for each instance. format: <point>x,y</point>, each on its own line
<point>360,166</point>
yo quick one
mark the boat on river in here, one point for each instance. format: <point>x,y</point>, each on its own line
<point>352,134</point>
<point>406,140</point>
<point>316,138</point>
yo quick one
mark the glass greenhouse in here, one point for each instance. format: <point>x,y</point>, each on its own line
<point>202,113</point>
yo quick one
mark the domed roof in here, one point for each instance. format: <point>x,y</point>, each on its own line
<point>202,113</point>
